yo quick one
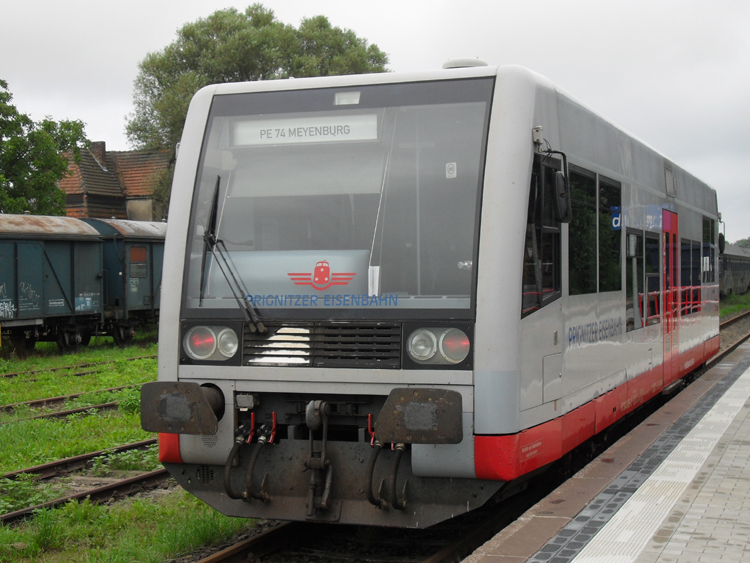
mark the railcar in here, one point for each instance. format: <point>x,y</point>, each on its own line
<point>50,280</point>
<point>133,253</point>
<point>734,270</point>
<point>64,279</point>
<point>390,298</point>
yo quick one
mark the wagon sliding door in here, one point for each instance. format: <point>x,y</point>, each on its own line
<point>29,281</point>
<point>671,288</point>
<point>72,278</point>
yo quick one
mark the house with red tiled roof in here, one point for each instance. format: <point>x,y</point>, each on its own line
<point>117,184</point>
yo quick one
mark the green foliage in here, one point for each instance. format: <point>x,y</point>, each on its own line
<point>230,46</point>
<point>130,400</point>
<point>131,460</point>
<point>162,183</point>
<point>28,443</point>
<point>21,492</point>
<point>744,243</point>
<point>733,305</point>
<point>143,530</point>
<point>53,384</point>
<point>32,160</point>
<point>49,532</point>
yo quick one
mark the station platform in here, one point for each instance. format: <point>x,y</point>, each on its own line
<point>676,489</point>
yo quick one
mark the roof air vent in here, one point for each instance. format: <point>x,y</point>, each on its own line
<point>463,63</point>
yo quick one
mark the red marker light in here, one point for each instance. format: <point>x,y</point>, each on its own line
<point>201,342</point>
<point>454,345</point>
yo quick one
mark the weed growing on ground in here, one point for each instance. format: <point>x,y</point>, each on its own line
<point>132,460</point>
<point>33,442</point>
<point>21,492</point>
<point>130,400</point>
<point>734,304</point>
<point>145,530</point>
<point>101,349</point>
<point>54,384</point>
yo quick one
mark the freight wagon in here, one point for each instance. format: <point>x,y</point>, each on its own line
<point>65,280</point>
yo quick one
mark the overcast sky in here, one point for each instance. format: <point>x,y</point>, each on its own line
<point>675,73</point>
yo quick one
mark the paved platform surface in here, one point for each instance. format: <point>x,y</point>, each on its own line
<point>675,489</point>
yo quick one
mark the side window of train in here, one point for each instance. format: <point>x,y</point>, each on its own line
<point>610,231</point>
<point>690,277</point>
<point>541,258</point>
<point>582,256</point>
<point>642,281</point>
<point>635,301</point>
<point>709,250</point>
<point>652,261</point>
<point>595,233</point>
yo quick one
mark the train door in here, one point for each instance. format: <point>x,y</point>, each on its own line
<point>671,296</point>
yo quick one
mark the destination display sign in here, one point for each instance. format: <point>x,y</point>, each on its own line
<point>319,129</point>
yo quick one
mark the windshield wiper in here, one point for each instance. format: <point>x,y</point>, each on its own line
<point>221,257</point>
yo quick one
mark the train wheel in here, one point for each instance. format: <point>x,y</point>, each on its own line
<point>68,341</point>
<point>123,335</point>
<point>85,338</point>
<point>21,344</point>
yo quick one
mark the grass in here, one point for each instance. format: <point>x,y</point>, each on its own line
<point>131,460</point>
<point>734,304</point>
<point>24,491</point>
<point>34,442</point>
<point>100,349</point>
<point>53,384</point>
<point>147,530</point>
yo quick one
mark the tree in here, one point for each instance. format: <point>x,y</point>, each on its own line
<point>32,159</point>
<point>745,242</point>
<point>230,46</point>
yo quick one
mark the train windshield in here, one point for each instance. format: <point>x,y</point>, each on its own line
<point>352,198</point>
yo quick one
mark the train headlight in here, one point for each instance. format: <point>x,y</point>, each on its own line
<point>422,345</point>
<point>200,342</point>
<point>228,342</point>
<point>454,346</point>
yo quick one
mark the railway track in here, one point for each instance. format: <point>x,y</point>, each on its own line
<point>69,464</point>
<point>447,542</point>
<point>737,318</point>
<point>76,366</point>
<point>120,488</point>
<point>117,489</point>
<point>57,401</point>
<point>62,414</point>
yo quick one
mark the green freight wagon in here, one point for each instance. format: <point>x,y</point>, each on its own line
<point>51,281</point>
<point>133,252</point>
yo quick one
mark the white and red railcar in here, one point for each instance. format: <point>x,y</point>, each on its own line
<point>507,274</point>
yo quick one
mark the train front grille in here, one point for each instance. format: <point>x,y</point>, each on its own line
<point>373,345</point>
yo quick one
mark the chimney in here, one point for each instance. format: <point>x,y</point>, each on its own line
<point>99,150</point>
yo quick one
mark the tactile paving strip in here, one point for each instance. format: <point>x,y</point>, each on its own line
<point>572,540</point>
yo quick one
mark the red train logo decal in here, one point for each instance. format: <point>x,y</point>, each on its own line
<point>321,278</point>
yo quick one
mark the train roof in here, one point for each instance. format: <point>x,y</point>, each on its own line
<point>129,229</point>
<point>734,250</point>
<point>507,74</point>
<point>42,226</point>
